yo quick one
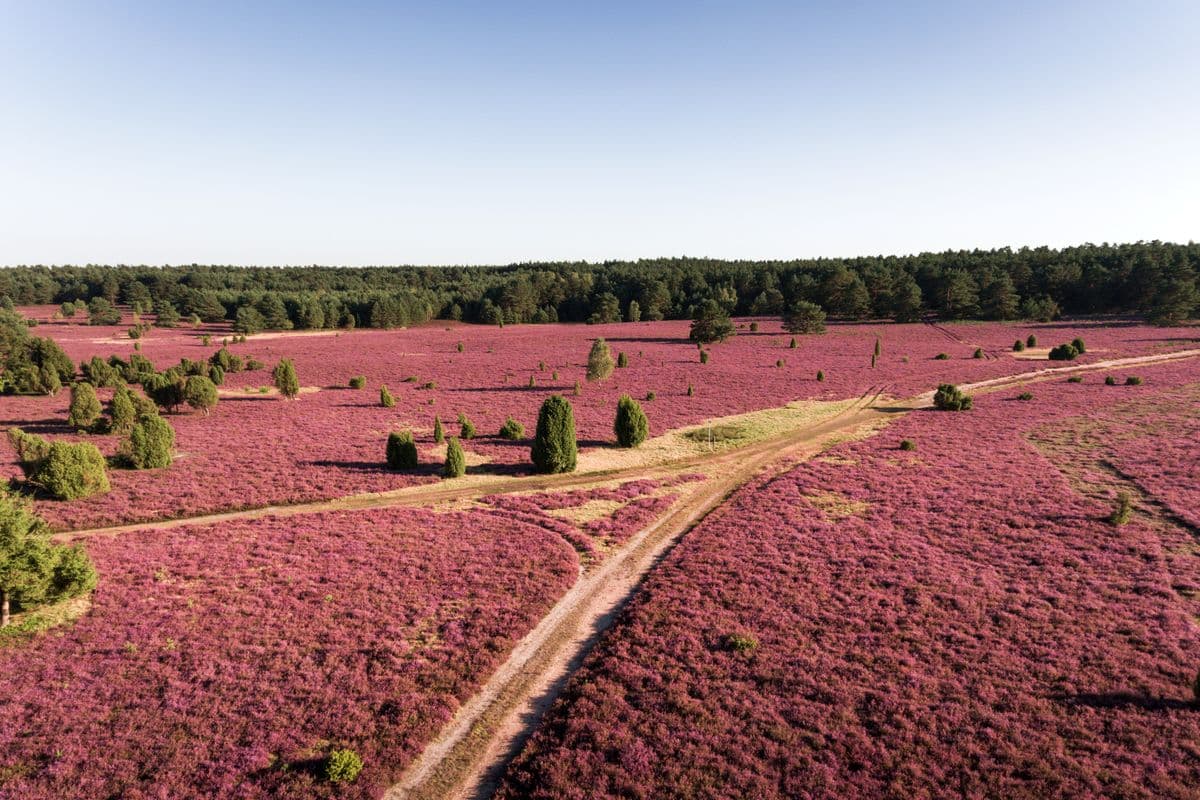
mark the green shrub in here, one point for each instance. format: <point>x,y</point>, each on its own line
<point>121,411</point>
<point>804,317</point>
<point>532,382</point>
<point>226,360</point>
<point>512,430</point>
<point>1123,510</point>
<point>466,427</point>
<point>942,357</point>
<point>1025,396</point>
<point>216,375</point>
<point>600,361</point>
<point>578,390</point>
<point>1133,380</point>
<point>1064,352</point>
<point>703,356</point>
<point>792,343</point>
<point>285,379</point>
<point>1077,343</point>
<point>978,353</point>
<point>253,364</point>
<point>630,426</point>
<point>710,323</point>
<point>150,443</point>
<point>1018,346</point>
<point>85,408</point>
<point>1075,379</point>
<point>742,643</point>
<point>71,471</point>
<point>343,766</point>
<point>908,445</point>
<point>820,376</point>
<point>622,360</point>
<point>31,449</point>
<point>555,448</point>
<point>949,397</point>
<point>1031,341</point>
<point>1109,380</point>
<point>779,362</point>
<point>358,382</point>
<point>439,435</point>
<point>650,396</point>
<point>385,397</point>
<point>691,391</point>
<point>456,460</point>
<point>200,393</point>
<point>460,347</point>
<point>401,450</point>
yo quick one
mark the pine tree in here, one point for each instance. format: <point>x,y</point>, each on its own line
<point>554,446</point>
<point>456,460</point>
<point>600,361</point>
<point>285,378</point>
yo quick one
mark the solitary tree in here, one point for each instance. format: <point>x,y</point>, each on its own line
<point>401,450</point>
<point>630,425</point>
<point>439,435</point>
<point>600,361</point>
<point>456,460</point>
<point>285,378</point>
<point>200,393</point>
<point>554,446</point>
<point>710,324</point>
<point>85,406</point>
<point>804,317</point>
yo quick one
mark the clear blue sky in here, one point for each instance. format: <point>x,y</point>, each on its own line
<point>490,132</point>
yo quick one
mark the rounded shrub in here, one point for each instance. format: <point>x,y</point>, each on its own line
<point>650,396</point>
<point>1075,379</point>
<point>200,393</point>
<point>71,471</point>
<point>630,426</point>
<point>555,448</point>
<point>1018,346</point>
<point>978,353</point>
<point>456,460</point>
<point>343,766</point>
<point>1064,352</point>
<point>401,450</point>
<point>1079,346</point>
<point>216,375</point>
<point>754,327</point>
<point>820,376</point>
<point>942,357</point>
<point>150,443</point>
<point>85,408</point>
<point>121,410</point>
<point>908,445</point>
<point>1031,341</point>
<point>779,362</point>
<point>742,643</point>
<point>949,397</point>
<point>1109,380</point>
<point>1133,380</point>
<point>358,382</point>
<point>512,430</point>
<point>1025,396</point>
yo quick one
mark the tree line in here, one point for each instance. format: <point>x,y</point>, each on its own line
<point>1156,279</point>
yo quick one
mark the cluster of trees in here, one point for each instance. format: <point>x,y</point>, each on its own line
<point>555,447</point>
<point>1154,278</point>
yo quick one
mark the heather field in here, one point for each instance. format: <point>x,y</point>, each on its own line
<point>958,620</point>
<point>255,449</point>
<point>226,661</point>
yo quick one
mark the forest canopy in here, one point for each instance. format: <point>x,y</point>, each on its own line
<point>1156,279</point>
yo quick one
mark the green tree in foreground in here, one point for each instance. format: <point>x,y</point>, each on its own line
<point>85,409</point>
<point>456,460</point>
<point>630,426</point>
<point>710,324</point>
<point>285,378</point>
<point>401,450</point>
<point>600,361</point>
<point>554,446</point>
<point>33,571</point>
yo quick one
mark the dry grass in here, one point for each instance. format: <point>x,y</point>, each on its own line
<point>837,506</point>
<point>30,623</point>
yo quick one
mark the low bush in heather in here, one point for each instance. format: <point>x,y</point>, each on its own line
<point>358,382</point>
<point>343,766</point>
<point>386,398</point>
<point>71,471</point>
<point>949,397</point>
<point>512,430</point>
<point>1133,380</point>
<point>466,427</point>
<point>1064,352</point>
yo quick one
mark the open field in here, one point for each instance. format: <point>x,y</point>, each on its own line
<point>954,620</point>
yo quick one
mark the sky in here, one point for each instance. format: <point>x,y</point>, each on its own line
<point>363,133</point>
